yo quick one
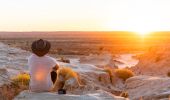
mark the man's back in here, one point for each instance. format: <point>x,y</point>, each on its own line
<point>40,68</point>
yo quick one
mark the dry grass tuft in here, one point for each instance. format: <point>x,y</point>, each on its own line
<point>9,91</point>
<point>110,72</point>
<point>67,79</point>
<point>18,84</point>
<point>124,73</point>
<point>67,72</point>
<point>21,79</point>
<point>124,94</point>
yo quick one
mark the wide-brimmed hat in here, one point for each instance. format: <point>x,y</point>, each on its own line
<point>40,47</point>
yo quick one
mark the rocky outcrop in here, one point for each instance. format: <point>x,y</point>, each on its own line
<point>97,59</point>
<point>13,59</point>
<point>148,88</point>
<point>107,59</point>
<point>153,63</point>
<point>98,95</point>
<point>95,78</point>
<point>4,77</point>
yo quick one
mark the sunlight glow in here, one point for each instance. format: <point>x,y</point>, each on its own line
<point>142,33</point>
<point>85,15</point>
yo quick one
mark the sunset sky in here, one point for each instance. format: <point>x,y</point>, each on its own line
<point>85,15</point>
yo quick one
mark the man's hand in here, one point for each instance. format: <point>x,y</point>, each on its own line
<point>56,67</point>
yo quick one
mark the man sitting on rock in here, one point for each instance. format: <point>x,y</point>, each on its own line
<point>41,66</point>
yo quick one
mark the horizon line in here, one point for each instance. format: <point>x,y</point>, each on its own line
<point>82,31</point>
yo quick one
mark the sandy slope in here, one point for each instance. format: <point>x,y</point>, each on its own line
<point>154,62</point>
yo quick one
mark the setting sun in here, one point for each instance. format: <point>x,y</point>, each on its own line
<point>142,32</point>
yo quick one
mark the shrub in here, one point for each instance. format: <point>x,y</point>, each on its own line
<point>158,59</point>
<point>62,59</point>
<point>124,94</point>
<point>18,84</point>
<point>124,73</point>
<point>64,75</point>
<point>67,72</point>
<point>100,78</point>
<point>21,79</point>
<point>168,74</point>
<point>59,50</point>
<point>109,71</point>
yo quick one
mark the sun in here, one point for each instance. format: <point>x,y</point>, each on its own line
<point>142,33</point>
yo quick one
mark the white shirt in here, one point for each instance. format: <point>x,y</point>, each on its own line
<point>40,71</point>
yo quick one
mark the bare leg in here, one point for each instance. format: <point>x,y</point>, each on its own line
<point>53,76</point>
